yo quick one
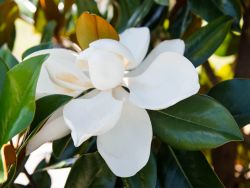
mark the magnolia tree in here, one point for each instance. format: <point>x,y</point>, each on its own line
<point>130,93</point>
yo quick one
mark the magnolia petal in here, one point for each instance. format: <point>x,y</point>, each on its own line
<point>106,70</point>
<point>59,74</point>
<point>175,45</point>
<point>55,128</point>
<point>115,47</point>
<point>137,41</point>
<point>45,86</point>
<point>126,147</point>
<point>168,80</point>
<point>91,117</point>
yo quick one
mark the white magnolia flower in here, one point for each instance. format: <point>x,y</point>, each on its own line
<point>117,117</point>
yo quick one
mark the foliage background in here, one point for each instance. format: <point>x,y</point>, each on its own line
<point>216,34</point>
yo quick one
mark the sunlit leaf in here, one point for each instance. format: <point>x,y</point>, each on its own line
<point>19,94</point>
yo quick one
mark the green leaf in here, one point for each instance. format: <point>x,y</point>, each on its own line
<point>125,11</point>
<point>36,48</point>
<point>2,173</point>
<point>18,98</point>
<point>60,145</point>
<point>229,7</point>
<point>146,177</point>
<point>195,123</point>
<point>48,32</point>
<point>180,23</point>
<point>87,6</point>
<point>90,170</point>
<point>203,43</point>
<point>3,72</point>
<point>170,174</point>
<point>41,178</point>
<point>234,95</point>
<point>7,57</point>
<point>229,46</point>
<point>162,2</point>
<point>140,13</point>
<point>205,9</point>
<point>185,169</point>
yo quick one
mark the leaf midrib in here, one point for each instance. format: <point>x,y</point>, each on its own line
<point>189,121</point>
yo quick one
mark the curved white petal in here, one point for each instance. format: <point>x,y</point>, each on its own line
<point>111,46</point>
<point>137,41</point>
<point>47,87</point>
<point>175,45</point>
<point>106,70</point>
<point>91,117</point>
<point>126,147</point>
<point>55,128</point>
<point>169,79</point>
<point>59,73</point>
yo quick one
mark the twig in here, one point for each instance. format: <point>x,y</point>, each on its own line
<point>210,73</point>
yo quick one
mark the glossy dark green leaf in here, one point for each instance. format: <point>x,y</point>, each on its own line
<point>48,32</point>
<point>170,174</point>
<point>181,21</point>
<point>3,72</point>
<point>146,177</point>
<point>203,43</point>
<point>41,179</point>
<point>234,95</point>
<point>205,9</point>
<point>125,10</point>
<point>140,12</point>
<point>90,171</point>
<point>195,123</point>
<point>60,145</point>
<point>185,169</point>
<point>7,57</point>
<point>154,17</point>
<point>197,169</point>
<point>18,98</point>
<point>36,48</point>
<point>229,7</point>
<point>87,5</point>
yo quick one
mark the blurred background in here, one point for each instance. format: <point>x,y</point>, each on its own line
<point>28,23</point>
